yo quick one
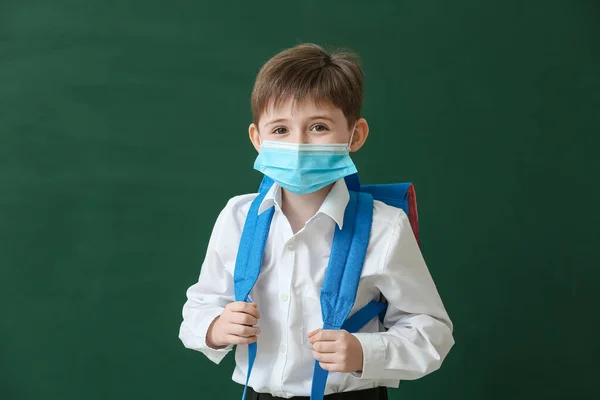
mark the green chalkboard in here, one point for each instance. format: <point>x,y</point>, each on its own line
<point>123,132</point>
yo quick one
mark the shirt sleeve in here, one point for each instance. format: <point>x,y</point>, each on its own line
<point>207,298</point>
<point>419,334</point>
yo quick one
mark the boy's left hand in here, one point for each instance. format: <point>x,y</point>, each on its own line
<point>336,351</point>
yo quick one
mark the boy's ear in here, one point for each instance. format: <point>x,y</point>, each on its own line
<point>361,132</point>
<point>254,136</point>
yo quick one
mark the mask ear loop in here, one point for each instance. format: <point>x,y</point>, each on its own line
<point>351,137</point>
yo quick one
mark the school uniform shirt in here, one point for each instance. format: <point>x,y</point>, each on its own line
<point>419,331</point>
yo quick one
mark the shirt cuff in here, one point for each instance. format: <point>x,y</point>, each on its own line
<point>199,342</point>
<point>373,349</point>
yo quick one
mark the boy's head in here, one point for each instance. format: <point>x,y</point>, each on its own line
<point>305,95</point>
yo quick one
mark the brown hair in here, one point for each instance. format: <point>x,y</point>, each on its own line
<point>308,72</point>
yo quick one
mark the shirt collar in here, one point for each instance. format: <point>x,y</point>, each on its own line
<point>334,205</point>
<point>272,198</point>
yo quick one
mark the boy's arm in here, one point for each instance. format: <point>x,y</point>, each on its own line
<point>420,332</point>
<point>207,299</point>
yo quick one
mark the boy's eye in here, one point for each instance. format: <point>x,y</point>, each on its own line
<point>319,128</point>
<point>280,131</point>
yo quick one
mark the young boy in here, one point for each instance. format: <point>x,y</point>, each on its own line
<point>306,108</point>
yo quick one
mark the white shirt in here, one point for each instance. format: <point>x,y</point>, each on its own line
<point>287,296</point>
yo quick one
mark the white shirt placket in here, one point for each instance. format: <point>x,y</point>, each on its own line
<point>285,272</point>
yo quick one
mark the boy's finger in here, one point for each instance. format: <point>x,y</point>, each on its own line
<point>244,307</point>
<point>325,347</point>
<point>313,332</point>
<point>325,357</point>
<point>325,335</point>
<point>243,319</point>
<point>244,331</point>
<point>234,339</point>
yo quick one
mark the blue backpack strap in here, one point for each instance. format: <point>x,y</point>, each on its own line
<point>353,183</point>
<point>251,249</point>
<point>399,195</point>
<point>364,316</point>
<point>265,184</point>
<point>249,260</point>
<point>343,274</point>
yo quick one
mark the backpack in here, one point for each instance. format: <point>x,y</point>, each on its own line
<point>345,262</point>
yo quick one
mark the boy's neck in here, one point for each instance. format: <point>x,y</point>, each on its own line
<point>299,208</point>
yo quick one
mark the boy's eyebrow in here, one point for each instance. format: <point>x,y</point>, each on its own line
<point>322,117</point>
<point>276,121</point>
<point>279,120</point>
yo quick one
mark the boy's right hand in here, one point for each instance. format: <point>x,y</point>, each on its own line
<point>235,325</point>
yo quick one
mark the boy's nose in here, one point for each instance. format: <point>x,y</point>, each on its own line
<point>300,137</point>
<point>306,137</point>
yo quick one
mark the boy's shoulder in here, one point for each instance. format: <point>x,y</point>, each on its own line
<point>386,215</point>
<point>227,230</point>
<point>391,228</point>
<point>237,207</point>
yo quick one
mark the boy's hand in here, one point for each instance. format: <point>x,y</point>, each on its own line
<point>235,325</point>
<point>336,351</point>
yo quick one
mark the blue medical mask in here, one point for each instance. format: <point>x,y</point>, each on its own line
<point>304,168</point>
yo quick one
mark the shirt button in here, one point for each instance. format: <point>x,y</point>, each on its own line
<point>290,246</point>
<point>282,349</point>
<point>283,297</point>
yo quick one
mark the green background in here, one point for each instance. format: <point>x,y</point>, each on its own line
<point>123,132</point>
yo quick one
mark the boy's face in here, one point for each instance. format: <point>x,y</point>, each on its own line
<point>305,122</point>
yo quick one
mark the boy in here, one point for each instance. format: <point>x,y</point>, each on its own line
<point>306,119</point>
